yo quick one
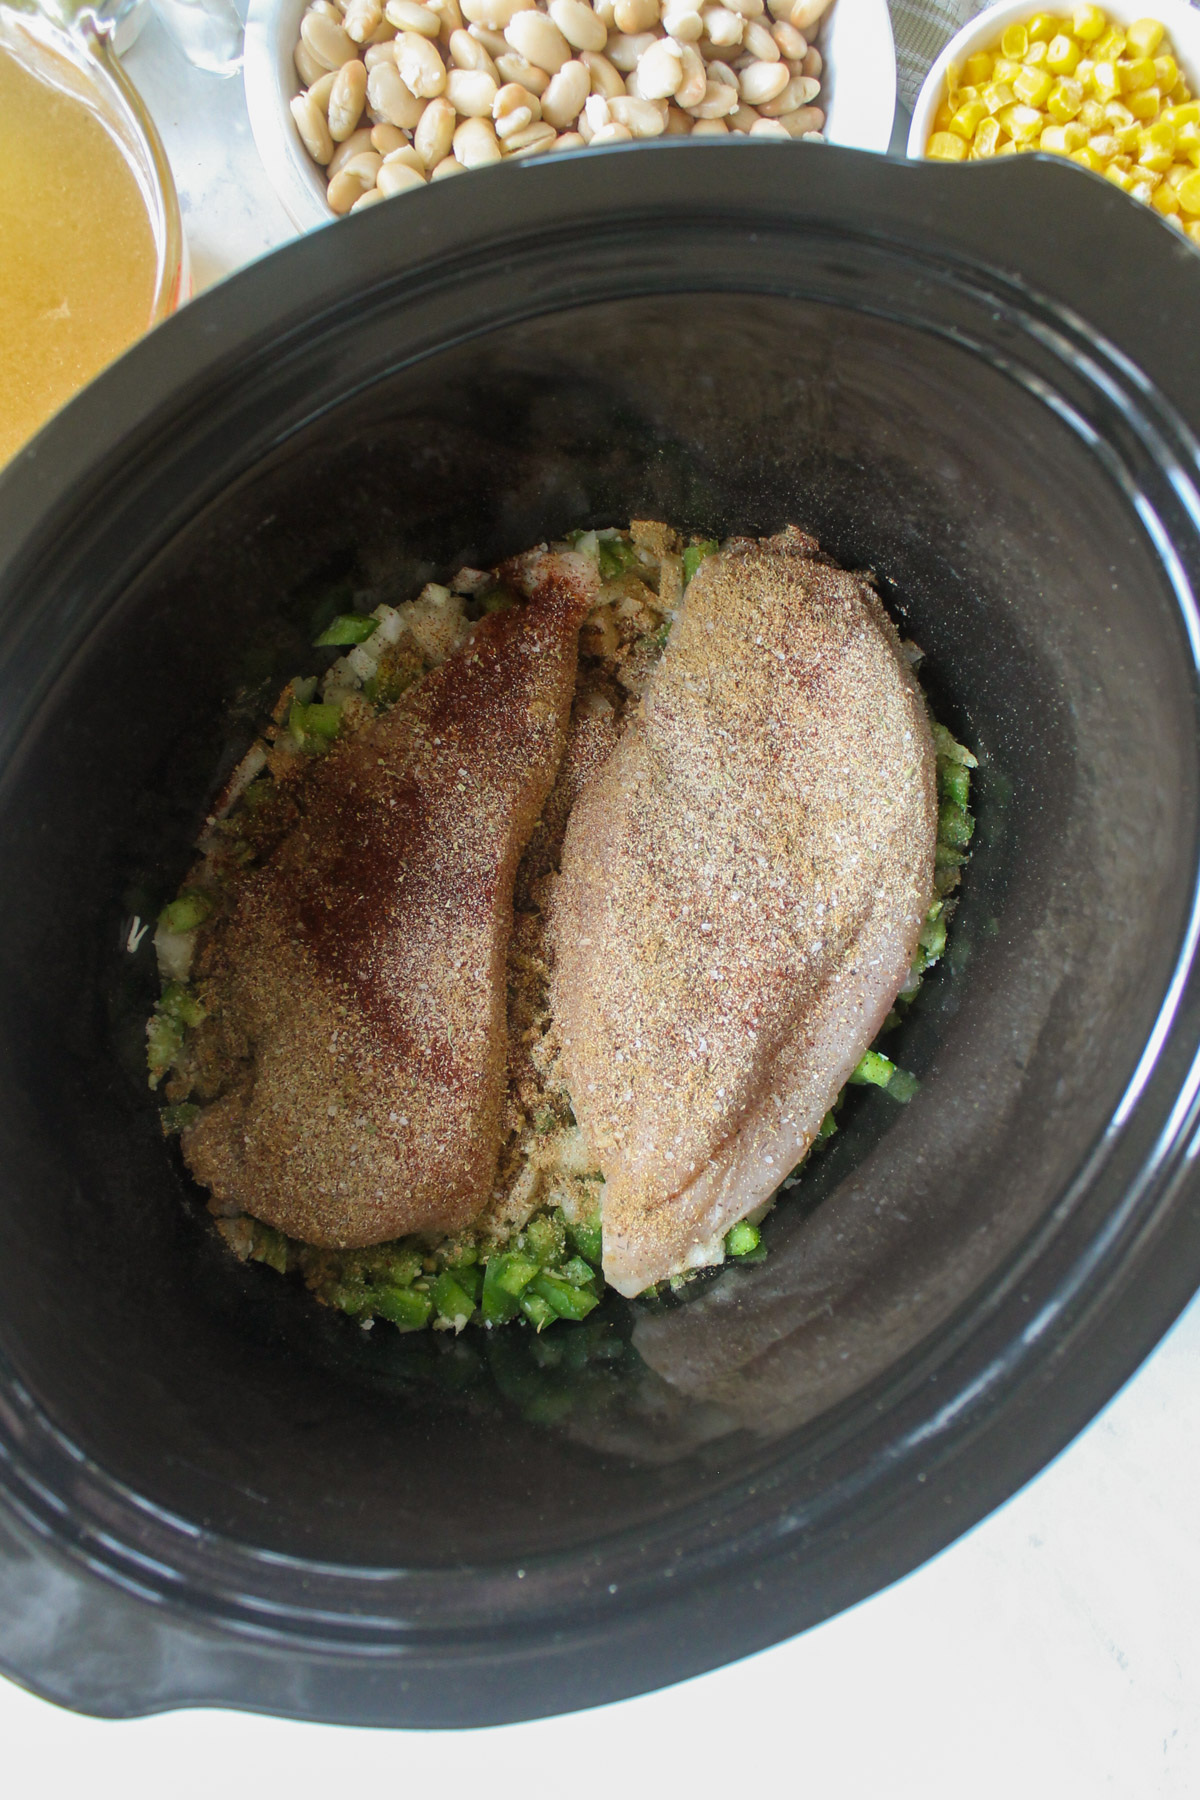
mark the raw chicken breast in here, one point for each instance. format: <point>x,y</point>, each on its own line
<point>742,888</point>
<point>358,990</point>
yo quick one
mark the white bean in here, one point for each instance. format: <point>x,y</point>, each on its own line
<point>420,65</point>
<point>346,101</point>
<point>392,98</point>
<point>742,119</point>
<point>724,27</point>
<point>570,140</point>
<point>579,24</point>
<point>535,137</point>
<point>398,178</point>
<point>721,71</point>
<point>511,67</point>
<point>374,54</point>
<point>471,93</point>
<point>410,15</point>
<point>357,141</point>
<point>331,44</point>
<point>763,81</point>
<point>344,190</point>
<point>803,14</point>
<point>603,10</point>
<point>645,118</point>
<point>449,13</point>
<point>476,144</point>
<point>313,129</point>
<point>435,131</point>
<point>769,128</point>
<point>449,165</point>
<point>564,98</point>
<point>695,77</point>
<point>632,16</point>
<point>814,62</point>
<point>624,52</point>
<point>749,9</point>
<point>718,100</point>
<point>757,40</point>
<point>371,199</point>
<point>678,122</point>
<point>798,124</point>
<point>513,110</point>
<point>307,66</point>
<point>387,137</point>
<point>799,91</point>
<point>681,20</point>
<point>596,112</point>
<point>606,77</point>
<point>405,156</point>
<point>321,89</point>
<point>466,52</point>
<point>494,42</point>
<point>792,43</point>
<point>538,39</point>
<point>612,134</point>
<point>494,14</point>
<point>660,71</point>
<point>710,128</point>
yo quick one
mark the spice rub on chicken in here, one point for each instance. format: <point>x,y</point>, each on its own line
<point>742,887</point>
<point>356,994</point>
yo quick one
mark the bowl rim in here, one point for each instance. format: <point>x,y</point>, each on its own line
<point>270,80</point>
<point>1117,1269</point>
<point>1181,20</point>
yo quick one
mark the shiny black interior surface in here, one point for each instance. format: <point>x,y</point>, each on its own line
<point>928,420</point>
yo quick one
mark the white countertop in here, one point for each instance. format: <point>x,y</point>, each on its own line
<point>1051,1654</point>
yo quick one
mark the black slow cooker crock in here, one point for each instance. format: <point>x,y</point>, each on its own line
<point>981,384</point>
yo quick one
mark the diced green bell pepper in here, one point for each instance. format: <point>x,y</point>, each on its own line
<point>347,628</point>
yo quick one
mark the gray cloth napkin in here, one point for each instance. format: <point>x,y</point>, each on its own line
<point>920,28</point>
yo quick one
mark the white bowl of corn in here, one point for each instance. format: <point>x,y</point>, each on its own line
<point>1110,88</point>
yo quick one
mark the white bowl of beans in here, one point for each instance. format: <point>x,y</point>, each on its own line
<point>355,101</point>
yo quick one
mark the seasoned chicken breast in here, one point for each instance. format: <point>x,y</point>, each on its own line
<point>358,989</point>
<point>742,887</point>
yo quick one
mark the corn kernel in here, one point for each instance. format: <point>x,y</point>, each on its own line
<point>987,139</point>
<point>1188,114</point>
<point>1062,55</point>
<point>966,92</point>
<point>978,69</point>
<point>1042,27</point>
<point>1035,56</point>
<point>1004,68</point>
<point>1061,140</point>
<point>1022,123</point>
<point>997,95</point>
<point>1146,104</point>
<point>1187,141</point>
<point>1166,72</point>
<point>943,116</point>
<point>1088,22</point>
<point>1188,192</point>
<point>1064,101</point>
<point>1127,138</point>
<point>1192,233</point>
<point>1176,220</point>
<point>1117,114</point>
<point>1164,199</point>
<point>967,118</point>
<point>1083,69</point>
<point>1007,148</point>
<point>1140,190</point>
<point>1119,177</point>
<point>1180,94</point>
<point>1144,36</point>
<point>1110,46</point>
<point>1156,158</point>
<point>1105,145</point>
<point>1032,86</point>
<point>1134,73</point>
<point>1159,136</point>
<point>1147,178</point>
<point>1105,81</point>
<point>1176,173</point>
<point>1087,158</point>
<point>946,146</point>
<point>1015,42</point>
